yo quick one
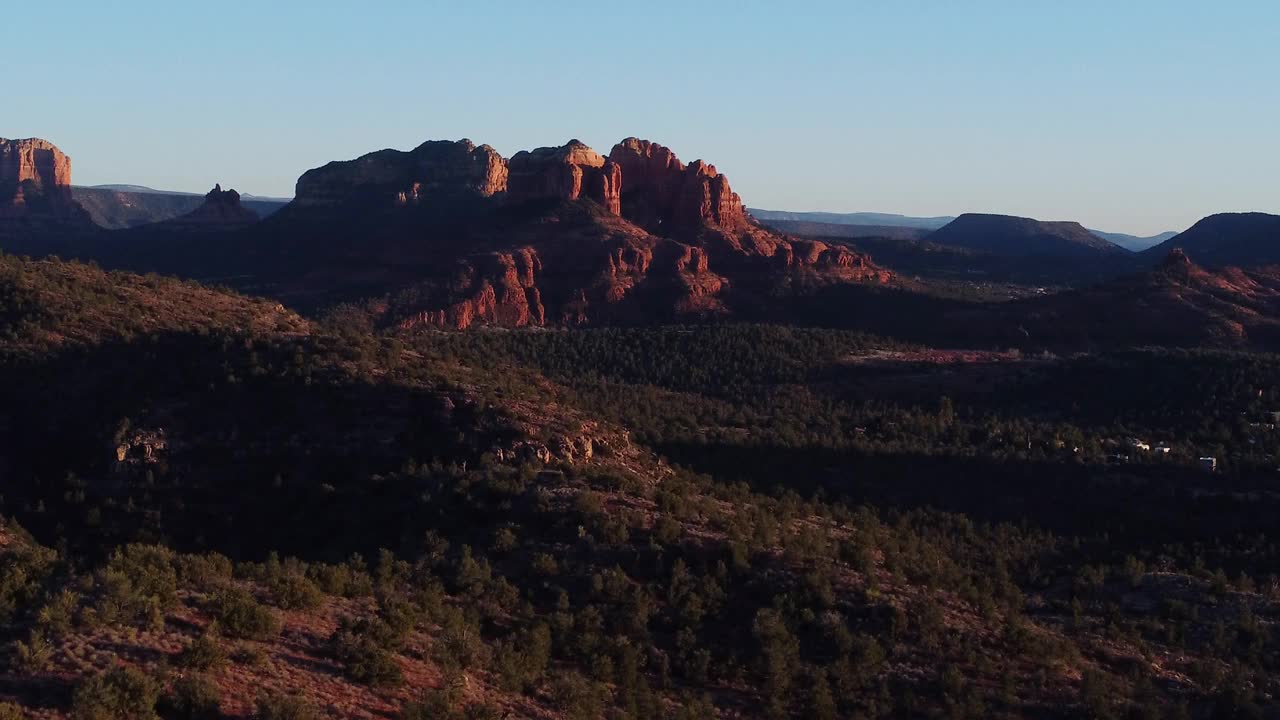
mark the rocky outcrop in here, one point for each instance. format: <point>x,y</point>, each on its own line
<point>34,161</point>
<point>142,446</point>
<point>498,289</point>
<point>834,261</point>
<point>568,172</point>
<point>221,209</point>
<point>35,182</point>
<point>436,168</point>
<point>662,195</point>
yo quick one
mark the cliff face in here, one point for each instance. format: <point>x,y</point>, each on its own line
<point>35,182</point>
<point>434,169</point>
<point>498,289</point>
<point>662,195</point>
<point>569,172</point>
<point>36,161</point>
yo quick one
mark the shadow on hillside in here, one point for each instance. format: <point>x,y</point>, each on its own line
<point>1132,506</point>
<point>227,443</point>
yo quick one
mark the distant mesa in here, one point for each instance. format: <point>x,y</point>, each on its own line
<point>849,231</point>
<point>1228,239</point>
<point>870,219</point>
<point>903,227</point>
<point>1011,236</point>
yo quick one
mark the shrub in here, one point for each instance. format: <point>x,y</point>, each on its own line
<point>292,591</point>
<point>150,569</point>
<point>436,704</point>
<point>521,660</point>
<point>204,572</point>
<point>577,697</point>
<point>137,584</point>
<point>362,648</point>
<point>203,653</point>
<point>57,617</point>
<point>250,655</point>
<point>458,644</point>
<point>346,580</point>
<point>240,615</point>
<point>119,694</point>
<point>192,698</point>
<point>445,703</point>
<point>32,655</point>
<point>9,711</point>
<point>278,706</point>
<point>22,573</point>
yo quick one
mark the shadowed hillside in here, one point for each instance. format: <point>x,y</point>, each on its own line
<point>1239,239</point>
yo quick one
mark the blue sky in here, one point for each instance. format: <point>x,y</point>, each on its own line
<point>1134,116</point>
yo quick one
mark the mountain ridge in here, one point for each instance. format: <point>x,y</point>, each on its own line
<point>1019,236</point>
<point>1244,239</point>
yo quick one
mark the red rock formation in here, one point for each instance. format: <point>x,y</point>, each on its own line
<point>705,197</point>
<point>605,187</point>
<point>436,168</point>
<point>34,160</point>
<point>569,172</point>
<point>221,210</point>
<point>670,240</point>
<point>35,181</point>
<point>498,289</point>
<point>661,194</point>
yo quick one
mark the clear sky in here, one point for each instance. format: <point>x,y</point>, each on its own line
<point>1131,116</point>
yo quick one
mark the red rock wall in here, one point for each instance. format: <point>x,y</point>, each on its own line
<point>663,195</point>
<point>35,160</point>
<point>569,172</point>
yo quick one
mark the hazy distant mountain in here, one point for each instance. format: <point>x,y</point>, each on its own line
<point>1240,239</point>
<point>872,224</point>
<point>153,191</point>
<point>858,218</point>
<point>1009,236</point>
<point>125,206</point>
<point>805,228</point>
<point>134,189</point>
<point>1134,243</point>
